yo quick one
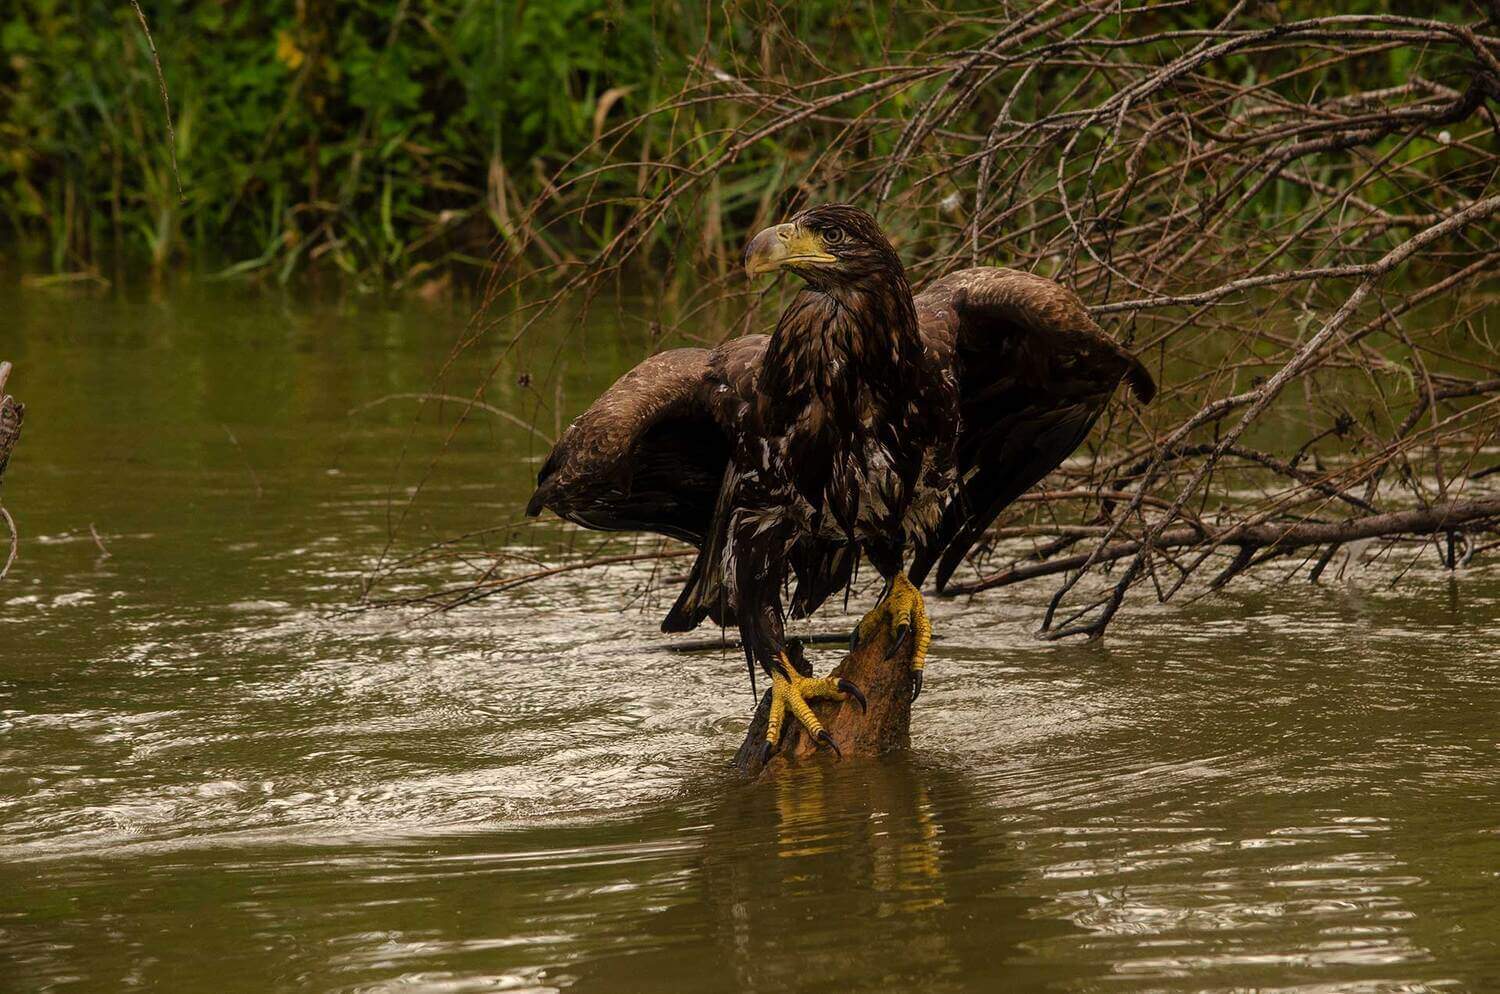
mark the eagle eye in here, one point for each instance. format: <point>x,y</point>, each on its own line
<point>831,235</point>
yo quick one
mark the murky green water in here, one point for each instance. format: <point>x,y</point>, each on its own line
<point>210,783</point>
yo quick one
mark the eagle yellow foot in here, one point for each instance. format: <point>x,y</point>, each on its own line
<point>902,611</point>
<point>790,692</point>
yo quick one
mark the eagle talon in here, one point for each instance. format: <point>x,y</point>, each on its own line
<point>791,693</point>
<point>903,614</point>
<point>848,688</point>
<point>902,630</point>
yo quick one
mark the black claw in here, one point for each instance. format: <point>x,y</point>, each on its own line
<point>916,684</point>
<point>853,692</point>
<point>827,740</point>
<point>766,751</point>
<point>903,631</point>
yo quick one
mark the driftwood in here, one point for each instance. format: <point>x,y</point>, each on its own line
<point>883,726</point>
<point>11,413</point>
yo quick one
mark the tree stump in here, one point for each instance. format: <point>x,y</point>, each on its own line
<point>11,413</point>
<point>885,680</point>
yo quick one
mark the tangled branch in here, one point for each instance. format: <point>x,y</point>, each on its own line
<point>1290,219</point>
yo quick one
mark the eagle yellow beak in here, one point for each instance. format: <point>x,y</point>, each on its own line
<point>785,245</point>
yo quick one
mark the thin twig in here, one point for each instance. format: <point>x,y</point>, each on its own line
<point>15,541</point>
<point>98,542</point>
<point>468,402</point>
<point>249,466</point>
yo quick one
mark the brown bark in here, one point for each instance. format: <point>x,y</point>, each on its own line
<point>11,412</point>
<point>884,726</point>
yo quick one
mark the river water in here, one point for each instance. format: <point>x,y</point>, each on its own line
<point>212,780</point>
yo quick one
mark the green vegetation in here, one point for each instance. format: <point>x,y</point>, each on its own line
<point>375,136</point>
<point>392,138</point>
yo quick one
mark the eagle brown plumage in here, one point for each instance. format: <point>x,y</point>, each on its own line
<point>872,422</point>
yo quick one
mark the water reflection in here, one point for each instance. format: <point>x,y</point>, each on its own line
<point>868,875</point>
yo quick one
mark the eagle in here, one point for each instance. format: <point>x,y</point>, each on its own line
<point>873,424</point>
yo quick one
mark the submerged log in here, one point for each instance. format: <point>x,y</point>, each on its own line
<point>885,679</point>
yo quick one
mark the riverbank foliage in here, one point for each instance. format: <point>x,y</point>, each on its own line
<point>392,139</point>
<point>378,137</point>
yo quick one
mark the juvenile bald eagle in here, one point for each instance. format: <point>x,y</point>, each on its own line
<point>871,422</point>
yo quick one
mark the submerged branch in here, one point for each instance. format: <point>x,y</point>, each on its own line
<point>15,541</point>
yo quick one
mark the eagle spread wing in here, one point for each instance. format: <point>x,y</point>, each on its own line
<point>654,452</point>
<point>651,453</point>
<point>1034,373</point>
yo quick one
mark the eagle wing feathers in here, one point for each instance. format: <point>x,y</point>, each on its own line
<point>1034,373</point>
<point>648,455</point>
<point>656,451</point>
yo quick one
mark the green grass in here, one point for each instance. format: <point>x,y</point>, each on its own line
<point>392,139</point>
<point>375,137</point>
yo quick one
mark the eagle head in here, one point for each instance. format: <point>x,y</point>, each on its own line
<point>829,246</point>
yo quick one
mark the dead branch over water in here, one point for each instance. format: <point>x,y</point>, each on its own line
<point>1306,262</point>
<point>1263,540</point>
